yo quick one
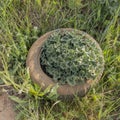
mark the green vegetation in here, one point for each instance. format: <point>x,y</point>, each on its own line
<point>23,21</point>
<point>71,58</point>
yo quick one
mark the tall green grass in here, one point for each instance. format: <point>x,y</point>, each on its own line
<point>23,21</point>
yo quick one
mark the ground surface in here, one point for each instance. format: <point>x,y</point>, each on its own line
<point>6,108</point>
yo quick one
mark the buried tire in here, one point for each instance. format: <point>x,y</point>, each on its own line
<point>42,79</point>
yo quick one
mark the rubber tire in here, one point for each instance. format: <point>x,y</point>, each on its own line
<point>37,74</point>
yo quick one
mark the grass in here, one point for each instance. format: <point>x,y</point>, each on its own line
<point>23,21</point>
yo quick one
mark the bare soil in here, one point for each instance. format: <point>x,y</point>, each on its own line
<point>6,108</point>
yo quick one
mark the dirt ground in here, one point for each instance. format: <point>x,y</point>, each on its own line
<point>6,108</point>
